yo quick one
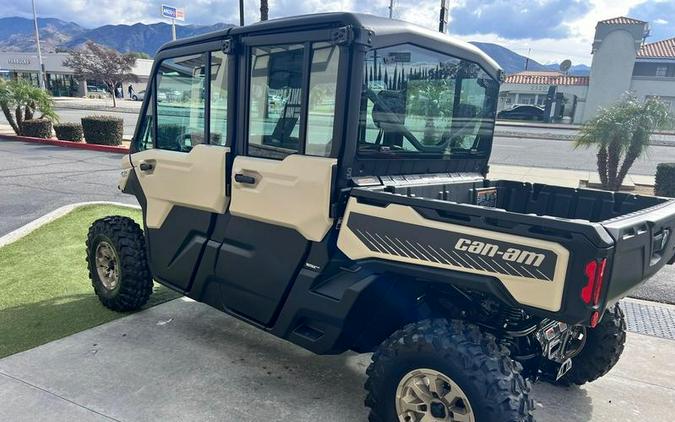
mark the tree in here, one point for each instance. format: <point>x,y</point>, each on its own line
<point>264,10</point>
<point>97,63</point>
<point>621,134</point>
<point>20,101</point>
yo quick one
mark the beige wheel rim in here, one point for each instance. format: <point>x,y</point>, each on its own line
<point>107,265</point>
<point>425,395</point>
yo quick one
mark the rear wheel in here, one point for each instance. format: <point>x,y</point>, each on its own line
<point>601,351</point>
<point>439,370</point>
<point>117,263</point>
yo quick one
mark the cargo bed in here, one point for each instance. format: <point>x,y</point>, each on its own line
<point>632,232</point>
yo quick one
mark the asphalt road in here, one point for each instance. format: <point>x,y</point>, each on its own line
<point>562,155</point>
<point>36,179</point>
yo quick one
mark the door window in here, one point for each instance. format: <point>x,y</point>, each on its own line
<point>322,98</point>
<point>145,140</point>
<point>181,102</point>
<point>275,100</point>
<point>218,103</point>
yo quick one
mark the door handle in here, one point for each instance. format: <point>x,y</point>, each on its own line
<point>146,166</point>
<point>242,178</point>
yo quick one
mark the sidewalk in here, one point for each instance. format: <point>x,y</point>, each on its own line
<point>183,361</point>
<point>560,177</point>
<point>124,105</point>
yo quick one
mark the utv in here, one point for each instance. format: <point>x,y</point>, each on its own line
<point>323,178</point>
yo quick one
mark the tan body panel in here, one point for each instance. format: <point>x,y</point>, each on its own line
<point>527,291</point>
<point>294,192</point>
<point>195,179</point>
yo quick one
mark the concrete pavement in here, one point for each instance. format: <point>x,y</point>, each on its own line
<point>184,361</point>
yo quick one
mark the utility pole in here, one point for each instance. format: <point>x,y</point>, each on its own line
<point>41,71</point>
<point>241,12</point>
<point>391,9</point>
<point>527,59</point>
<point>443,17</point>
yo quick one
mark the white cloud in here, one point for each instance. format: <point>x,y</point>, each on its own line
<point>576,31</point>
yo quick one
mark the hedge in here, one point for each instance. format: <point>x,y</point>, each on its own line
<point>103,130</point>
<point>665,180</point>
<point>69,131</point>
<point>37,128</point>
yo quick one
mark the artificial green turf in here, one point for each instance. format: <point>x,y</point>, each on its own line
<point>45,291</point>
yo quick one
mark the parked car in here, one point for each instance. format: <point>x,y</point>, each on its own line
<point>522,112</point>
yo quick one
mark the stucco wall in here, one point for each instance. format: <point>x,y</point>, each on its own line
<point>611,72</point>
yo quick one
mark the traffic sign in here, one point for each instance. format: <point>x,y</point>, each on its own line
<point>173,12</point>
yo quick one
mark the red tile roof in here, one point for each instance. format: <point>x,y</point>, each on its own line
<point>622,20</point>
<point>658,50</point>
<point>554,78</point>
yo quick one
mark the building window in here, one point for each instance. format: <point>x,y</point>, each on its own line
<point>662,71</point>
<point>527,99</point>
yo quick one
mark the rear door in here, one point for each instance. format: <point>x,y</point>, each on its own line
<point>181,155</point>
<point>283,173</point>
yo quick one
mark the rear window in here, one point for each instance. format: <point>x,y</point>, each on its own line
<point>417,101</point>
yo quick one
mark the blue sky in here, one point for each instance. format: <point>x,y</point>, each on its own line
<point>551,29</point>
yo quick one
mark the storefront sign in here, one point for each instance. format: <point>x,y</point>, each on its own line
<point>173,12</point>
<point>18,60</point>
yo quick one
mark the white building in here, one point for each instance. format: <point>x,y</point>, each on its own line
<point>60,80</point>
<point>622,62</point>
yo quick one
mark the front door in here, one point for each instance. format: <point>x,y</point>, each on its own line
<point>283,173</point>
<point>180,159</point>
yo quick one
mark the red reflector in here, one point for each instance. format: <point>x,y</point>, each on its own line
<point>595,317</point>
<point>587,290</point>
<point>600,276</point>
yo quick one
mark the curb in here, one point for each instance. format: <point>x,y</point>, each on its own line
<point>25,230</point>
<point>563,138</point>
<point>67,144</point>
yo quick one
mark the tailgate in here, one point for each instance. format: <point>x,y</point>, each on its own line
<point>644,244</point>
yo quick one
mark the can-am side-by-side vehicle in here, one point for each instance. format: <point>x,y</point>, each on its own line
<point>324,178</point>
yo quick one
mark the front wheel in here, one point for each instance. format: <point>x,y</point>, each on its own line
<point>117,263</point>
<point>440,370</point>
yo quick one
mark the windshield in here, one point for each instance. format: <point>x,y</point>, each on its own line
<point>419,102</point>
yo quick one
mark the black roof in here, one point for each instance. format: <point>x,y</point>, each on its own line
<point>386,32</point>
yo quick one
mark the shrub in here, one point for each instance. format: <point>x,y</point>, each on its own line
<point>665,180</point>
<point>103,130</point>
<point>69,131</point>
<point>37,128</point>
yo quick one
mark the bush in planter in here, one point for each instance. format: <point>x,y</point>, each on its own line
<point>665,180</point>
<point>103,130</point>
<point>37,128</point>
<point>69,131</point>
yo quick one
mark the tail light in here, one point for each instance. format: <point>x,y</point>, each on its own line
<point>595,275</point>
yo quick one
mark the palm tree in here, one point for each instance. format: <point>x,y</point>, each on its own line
<point>24,100</point>
<point>621,132</point>
<point>264,10</point>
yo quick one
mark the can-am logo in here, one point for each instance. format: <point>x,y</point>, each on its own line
<point>510,254</point>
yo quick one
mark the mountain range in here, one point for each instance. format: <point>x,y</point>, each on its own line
<point>17,34</point>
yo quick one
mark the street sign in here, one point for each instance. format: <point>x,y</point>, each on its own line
<point>173,12</point>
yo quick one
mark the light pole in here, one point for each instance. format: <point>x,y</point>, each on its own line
<point>241,12</point>
<point>391,8</point>
<point>443,17</point>
<point>41,78</point>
